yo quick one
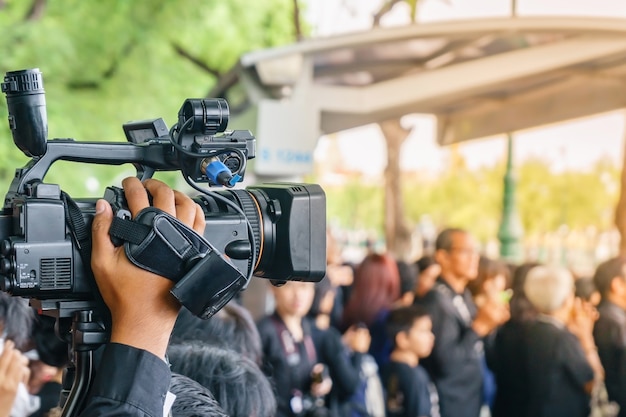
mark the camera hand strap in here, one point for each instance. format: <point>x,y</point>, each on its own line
<point>81,233</point>
<point>78,228</point>
<point>157,242</point>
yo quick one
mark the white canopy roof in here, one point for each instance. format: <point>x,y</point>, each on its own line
<point>479,77</point>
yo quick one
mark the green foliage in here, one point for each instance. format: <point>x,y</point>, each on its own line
<point>413,4</point>
<point>459,197</point>
<point>107,62</point>
<point>575,199</point>
<point>355,206</point>
<point>473,199</point>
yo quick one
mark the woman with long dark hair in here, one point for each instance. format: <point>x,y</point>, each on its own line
<point>375,289</point>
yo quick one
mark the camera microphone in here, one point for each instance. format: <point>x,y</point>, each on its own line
<point>26,103</point>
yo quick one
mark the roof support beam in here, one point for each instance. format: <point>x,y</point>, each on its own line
<point>568,100</point>
<point>469,78</point>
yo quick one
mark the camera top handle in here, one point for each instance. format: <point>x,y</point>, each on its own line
<point>146,157</point>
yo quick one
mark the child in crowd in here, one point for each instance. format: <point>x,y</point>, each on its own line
<point>409,391</point>
<point>367,399</point>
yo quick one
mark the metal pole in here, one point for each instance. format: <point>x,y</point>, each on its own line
<point>511,230</point>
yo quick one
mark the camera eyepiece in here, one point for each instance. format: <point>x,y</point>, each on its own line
<point>26,101</point>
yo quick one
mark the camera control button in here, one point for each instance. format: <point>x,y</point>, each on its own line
<point>5,266</point>
<point>6,247</point>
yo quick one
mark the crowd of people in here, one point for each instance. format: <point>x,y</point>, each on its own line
<point>452,334</point>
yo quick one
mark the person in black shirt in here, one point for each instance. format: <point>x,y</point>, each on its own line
<point>455,363</point>
<point>490,285</point>
<point>408,389</point>
<point>506,355</point>
<point>291,358</point>
<point>559,347</point>
<point>356,390</point>
<point>610,330</point>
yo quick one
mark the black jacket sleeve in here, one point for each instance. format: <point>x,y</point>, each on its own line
<point>129,382</point>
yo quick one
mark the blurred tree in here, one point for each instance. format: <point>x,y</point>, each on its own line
<point>356,206</point>
<point>105,63</point>
<point>620,209</point>
<point>397,232</point>
<point>472,199</point>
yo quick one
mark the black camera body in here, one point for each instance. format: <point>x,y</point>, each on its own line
<point>275,230</point>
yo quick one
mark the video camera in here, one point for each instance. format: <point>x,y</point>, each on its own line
<point>274,230</point>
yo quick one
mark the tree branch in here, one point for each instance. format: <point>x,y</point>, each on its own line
<point>36,10</point>
<point>296,20</point>
<point>109,73</point>
<point>386,8</point>
<point>195,60</point>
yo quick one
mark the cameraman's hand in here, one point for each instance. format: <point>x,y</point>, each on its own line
<point>143,311</point>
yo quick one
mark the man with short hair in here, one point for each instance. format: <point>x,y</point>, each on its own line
<point>609,331</point>
<point>455,363</point>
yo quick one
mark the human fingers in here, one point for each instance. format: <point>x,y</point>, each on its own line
<point>162,196</point>
<point>26,374</point>
<point>323,387</point>
<point>188,211</point>
<point>14,368</point>
<point>101,242</point>
<point>199,222</point>
<point>318,368</point>
<point>590,310</point>
<point>19,367</point>
<point>10,377</point>
<point>348,335</point>
<point>21,359</point>
<point>6,357</point>
<point>136,195</point>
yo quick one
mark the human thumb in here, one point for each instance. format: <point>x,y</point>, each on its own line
<point>100,228</point>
